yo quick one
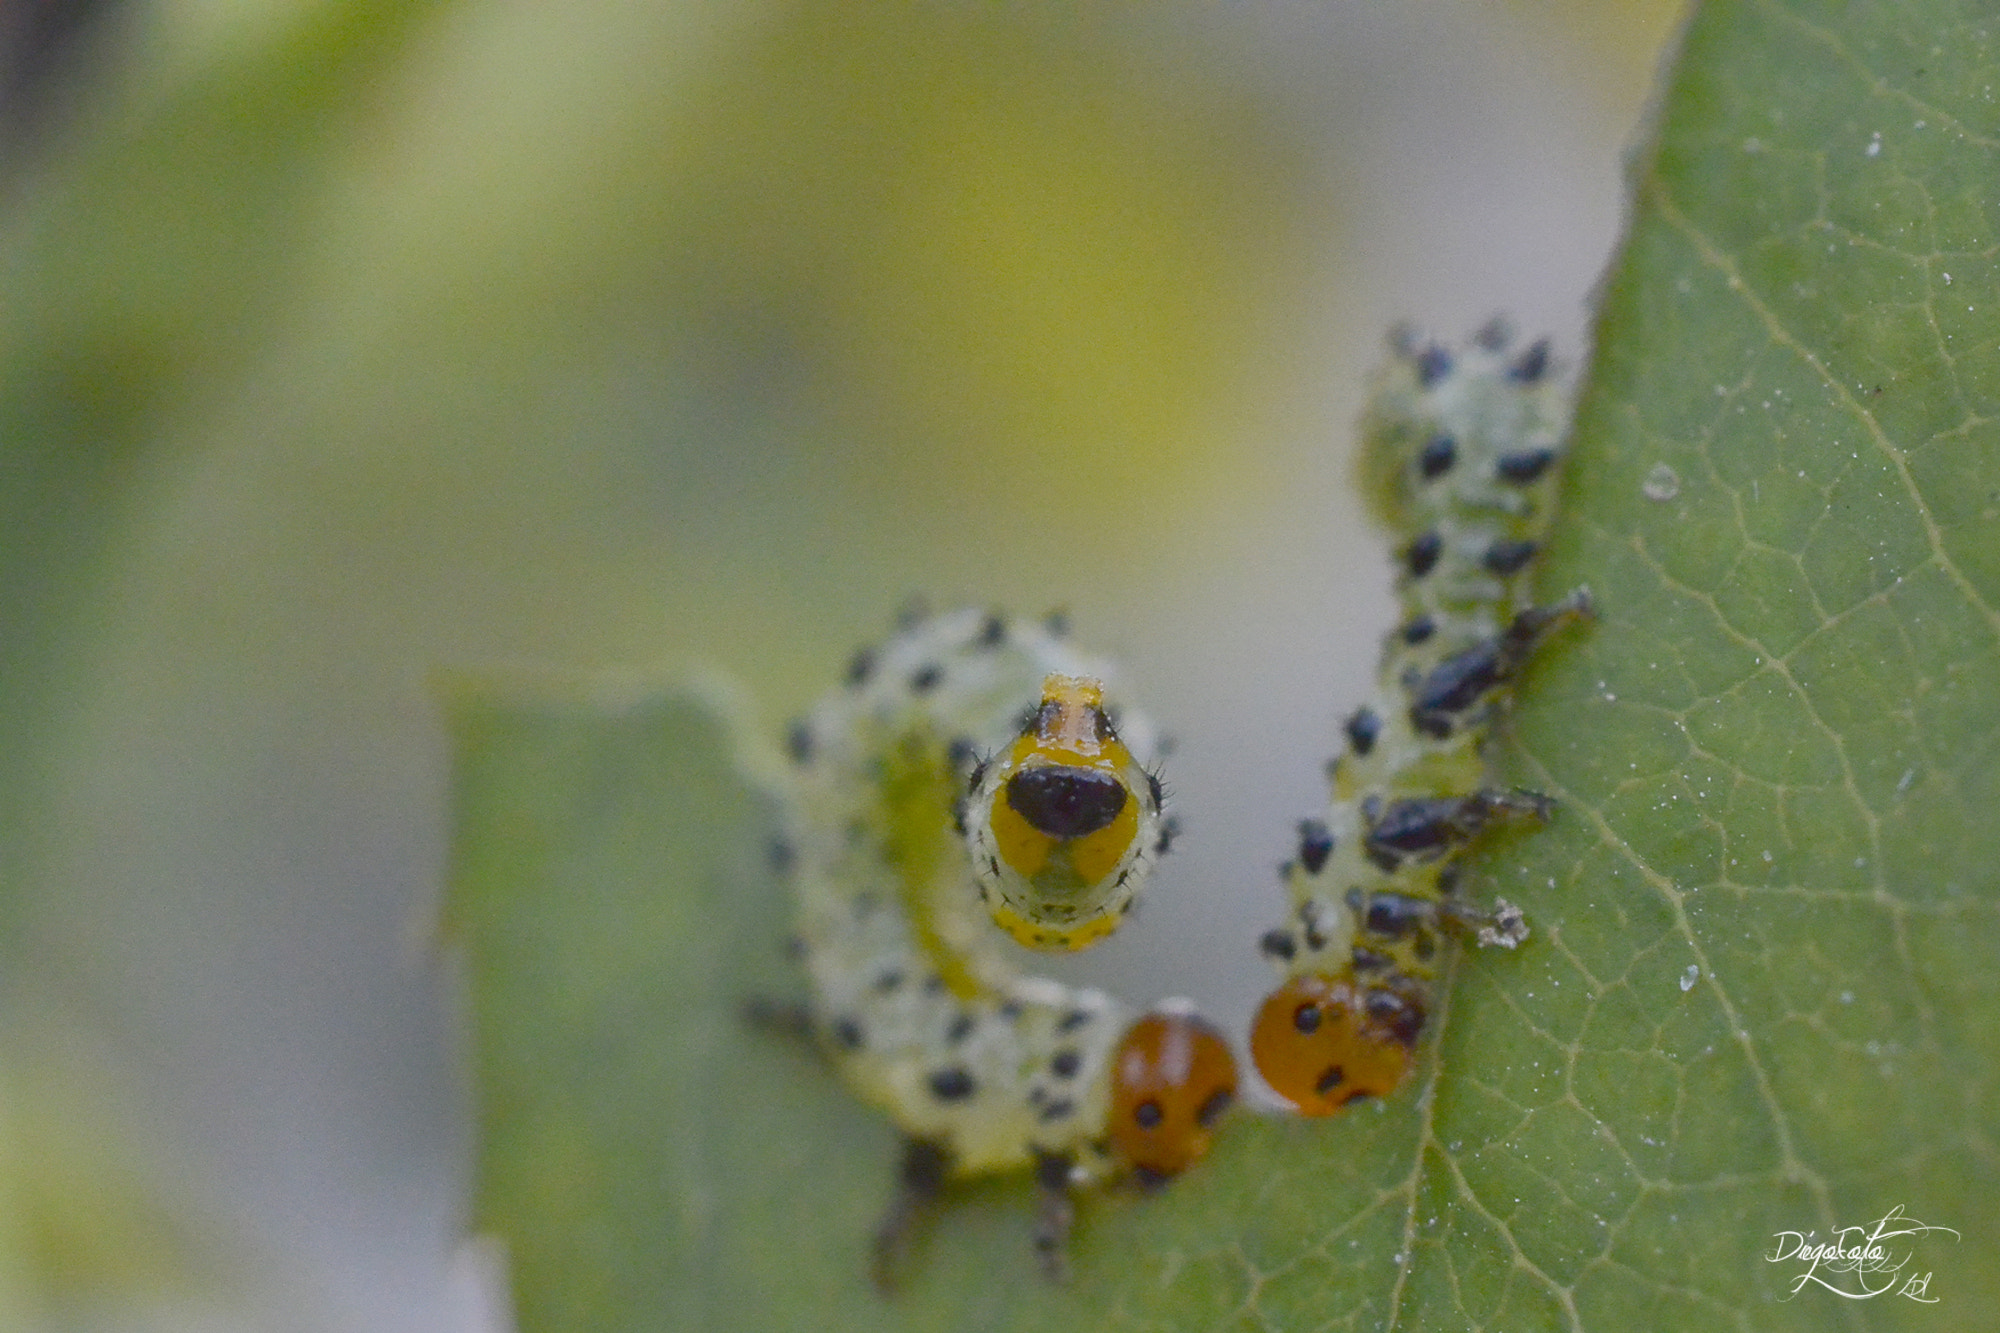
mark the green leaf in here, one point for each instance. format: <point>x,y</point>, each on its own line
<point>1760,996</point>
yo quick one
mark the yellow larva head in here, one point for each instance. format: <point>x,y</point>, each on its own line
<point>1062,821</point>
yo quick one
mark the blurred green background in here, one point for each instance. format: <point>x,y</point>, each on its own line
<point>345,342</point>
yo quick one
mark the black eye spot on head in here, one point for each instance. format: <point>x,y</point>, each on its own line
<point>1065,802</point>
<point>1422,554</point>
<point>860,667</point>
<point>1315,845</point>
<point>1362,729</point>
<point>1437,457</point>
<point>1524,466</point>
<point>1148,1115</point>
<point>1212,1108</point>
<point>926,678</point>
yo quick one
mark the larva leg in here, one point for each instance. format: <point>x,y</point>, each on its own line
<point>1054,1213</point>
<point>919,1180</point>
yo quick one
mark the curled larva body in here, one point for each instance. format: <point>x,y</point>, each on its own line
<point>1460,454</point>
<point>915,996</point>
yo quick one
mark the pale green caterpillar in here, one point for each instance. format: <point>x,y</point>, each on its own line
<point>970,770</point>
<point>1460,454</point>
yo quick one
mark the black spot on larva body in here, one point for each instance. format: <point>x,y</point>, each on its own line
<point>799,742</point>
<point>848,1033</point>
<point>1426,947</point>
<point>1421,556</point>
<point>1367,960</point>
<point>952,1084</point>
<point>1391,914</point>
<point>1456,684</point>
<point>913,612</point>
<point>1010,1010</point>
<point>926,678</point>
<point>992,632</point>
<point>860,667</point>
<point>1065,1063</point>
<point>1506,557</point>
<point>959,1028</point>
<point>782,856</point>
<point>1062,801</point>
<point>1306,1018</point>
<point>1073,1020</point>
<point>977,775</point>
<point>1362,728</point>
<point>890,980</point>
<point>933,984</point>
<point>1418,630</point>
<point>1170,828</point>
<point>1524,465</point>
<point>1493,335</point>
<point>1433,363</point>
<point>1314,936</point>
<point>1057,1109</point>
<point>1315,845</point>
<point>1057,624</point>
<point>1437,457</point>
<point>1147,1178</point>
<point>963,755</point>
<point>1403,1015</point>
<point>1211,1109</point>
<point>1277,943</point>
<point>1156,790</point>
<point>1329,1080</point>
<point>795,947</point>
<point>1531,365</point>
<point>1148,1114</point>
